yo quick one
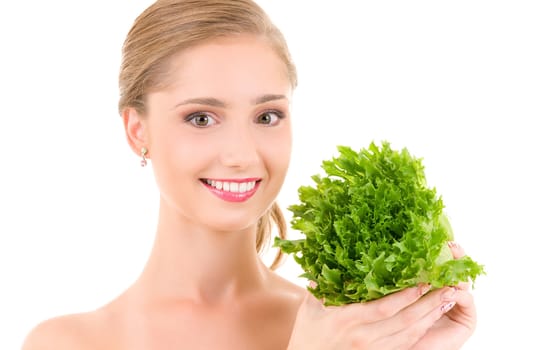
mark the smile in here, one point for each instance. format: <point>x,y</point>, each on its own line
<point>232,190</point>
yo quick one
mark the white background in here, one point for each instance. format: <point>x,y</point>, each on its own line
<point>455,82</point>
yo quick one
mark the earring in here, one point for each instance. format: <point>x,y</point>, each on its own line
<point>143,162</point>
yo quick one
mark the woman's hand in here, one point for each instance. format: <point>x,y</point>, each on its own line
<point>397,321</point>
<point>457,325</point>
<point>409,319</point>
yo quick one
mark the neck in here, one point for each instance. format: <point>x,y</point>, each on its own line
<point>190,261</point>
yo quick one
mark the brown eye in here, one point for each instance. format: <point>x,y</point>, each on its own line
<point>269,118</point>
<point>200,120</point>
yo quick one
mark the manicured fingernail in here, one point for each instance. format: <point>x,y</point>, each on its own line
<point>453,244</point>
<point>449,294</point>
<point>446,307</point>
<point>424,288</point>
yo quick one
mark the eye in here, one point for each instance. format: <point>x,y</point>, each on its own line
<point>200,119</point>
<point>269,118</point>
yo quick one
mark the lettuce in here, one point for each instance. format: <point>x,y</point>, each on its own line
<point>373,227</point>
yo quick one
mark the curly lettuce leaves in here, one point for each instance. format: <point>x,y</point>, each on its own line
<point>373,227</point>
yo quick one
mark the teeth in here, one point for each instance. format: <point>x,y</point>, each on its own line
<point>239,187</point>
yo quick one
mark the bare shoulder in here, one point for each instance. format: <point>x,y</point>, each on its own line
<point>291,292</point>
<point>73,331</point>
<point>276,310</point>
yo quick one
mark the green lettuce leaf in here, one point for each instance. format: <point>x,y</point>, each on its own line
<point>372,227</point>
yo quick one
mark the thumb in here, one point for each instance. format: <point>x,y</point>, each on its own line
<point>311,307</point>
<point>311,301</point>
<point>313,285</point>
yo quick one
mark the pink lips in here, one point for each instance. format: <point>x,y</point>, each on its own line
<point>229,196</point>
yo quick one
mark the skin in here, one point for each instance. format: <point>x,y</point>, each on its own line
<point>415,318</point>
<point>204,286</point>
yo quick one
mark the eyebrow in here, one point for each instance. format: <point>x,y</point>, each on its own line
<point>268,98</point>
<point>213,102</point>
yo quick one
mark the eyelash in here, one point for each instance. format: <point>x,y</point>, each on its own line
<point>279,115</point>
<point>192,117</point>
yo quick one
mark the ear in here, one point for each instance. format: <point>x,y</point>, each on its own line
<point>135,130</point>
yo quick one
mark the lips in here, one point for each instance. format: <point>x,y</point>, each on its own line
<point>238,190</point>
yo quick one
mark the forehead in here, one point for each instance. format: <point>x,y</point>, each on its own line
<point>237,65</point>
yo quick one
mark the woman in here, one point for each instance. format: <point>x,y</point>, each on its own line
<point>205,93</point>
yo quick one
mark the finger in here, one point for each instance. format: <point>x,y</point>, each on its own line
<point>408,326</point>
<point>414,331</point>
<point>465,299</point>
<point>456,250</point>
<point>312,302</point>
<point>312,285</point>
<point>383,308</point>
<point>311,308</point>
<point>463,286</point>
<point>419,310</point>
<point>465,307</point>
<point>463,313</point>
<point>411,324</point>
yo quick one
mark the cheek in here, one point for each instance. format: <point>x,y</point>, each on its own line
<point>178,157</point>
<point>277,153</point>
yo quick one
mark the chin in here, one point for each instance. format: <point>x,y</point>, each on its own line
<point>233,223</point>
<point>233,226</point>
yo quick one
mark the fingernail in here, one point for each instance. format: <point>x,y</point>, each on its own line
<point>449,294</point>
<point>453,244</point>
<point>446,307</point>
<point>424,288</point>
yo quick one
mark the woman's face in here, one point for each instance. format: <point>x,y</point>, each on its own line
<point>219,137</point>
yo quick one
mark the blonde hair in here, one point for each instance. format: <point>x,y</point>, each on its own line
<point>168,27</point>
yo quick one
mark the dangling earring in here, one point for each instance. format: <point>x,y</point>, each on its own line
<point>143,162</point>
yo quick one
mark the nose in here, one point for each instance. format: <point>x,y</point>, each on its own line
<point>239,148</point>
